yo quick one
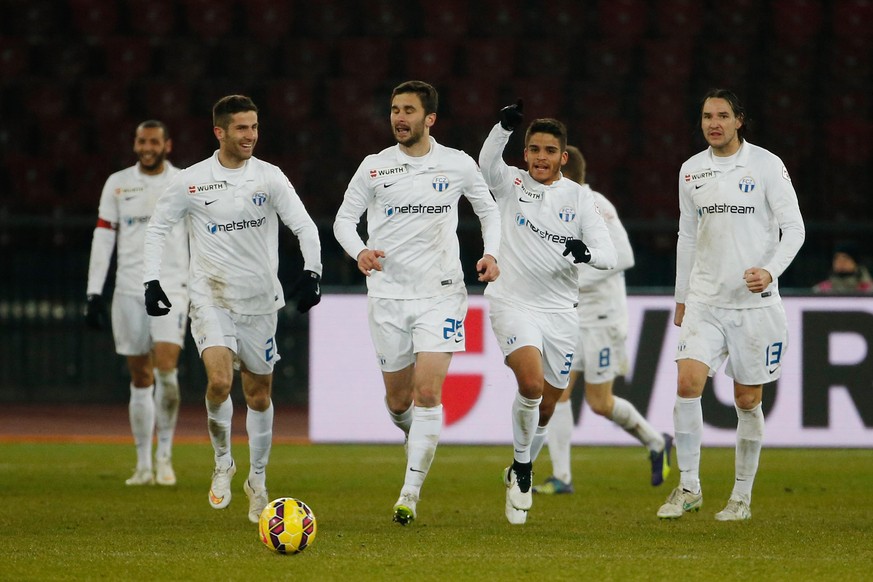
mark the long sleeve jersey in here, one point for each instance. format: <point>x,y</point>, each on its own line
<point>233,220</point>
<point>730,219</point>
<point>537,221</point>
<point>412,215</point>
<point>602,294</point>
<point>126,205</point>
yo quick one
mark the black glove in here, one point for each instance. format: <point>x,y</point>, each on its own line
<point>511,115</point>
<point>155,295</point>
<point>581,254</point>
<point>96,316</point>
<point>308,286</point>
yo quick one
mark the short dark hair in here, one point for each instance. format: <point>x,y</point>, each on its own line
<point>154,123</point>
<point>425,91</point>
<point>574,169</point>
<point>547,125</point>
<point>734,103</point>
<point>227,106</point>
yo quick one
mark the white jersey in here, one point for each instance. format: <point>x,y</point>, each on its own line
<point>126,205</point>
<point>730,217</point>
<point>412,215</point>
<point>233,232</point>
<point>538,221</point>
<point>602,294</point>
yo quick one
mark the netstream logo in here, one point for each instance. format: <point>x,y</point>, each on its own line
<point>417,209</point>
<point>724,209</point>
<point>522,220</point>
<point>131,220</point>
<point>213,228</point>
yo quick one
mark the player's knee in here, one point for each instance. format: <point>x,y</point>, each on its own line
<point>747,401</point>
<point>599,406</point>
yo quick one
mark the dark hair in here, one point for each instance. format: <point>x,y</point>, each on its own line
<point>154,123</point>
<point>426,92</point>
<point>735,105</point>
<point>548,125</point>
<point>227,106</point>
<point>574,169</point>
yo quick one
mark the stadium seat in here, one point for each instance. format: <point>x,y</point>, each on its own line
<point>268,20</point>
<point>84,175</point>
<point>449,18</point>
<point>653,190</point>
<point>622,19</point>
<point>290,100</point>
<point>329,18</point>
<point>45,98</point>
<point>305,57</point>
<point>793,66</point>
<point>127,56</point>
<point>209,19</point>
<point>114,141</point>
<point>193,139</point>
<point>105,99</point>
<point>499,18</point>
<point>63,136</point>
<point>166,99</point>
<point>383,18</point>
<point>848,142</point>
<point>95,18</point>
<point>35,18</point>
<point>34,182</point>
<point>365,57</point>
<point>252,62</point>
<point>352,100</point>
<point>536,56</point>
<point>154,18</point>
<point>853,19</point>
<point>543,96</point>
<point>608,64</point>
<point>429,59</point>
<point>668,60</point>
<point>14,56</point>
<point>744,18</point>
<point>850,62</point>
<point>64,59</point>
<point>796,22</point>
<point>607,139</point>
<point>678,19</point>
<point>185,58</point>
<point>471,98</point>
<point>728,62</point>
<point>492,58</point>
<point>665,103</point>
<point>558,19</point>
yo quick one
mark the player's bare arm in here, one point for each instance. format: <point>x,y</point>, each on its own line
<point>679,315</point>
<point>368,260</point>
<point>487,269</point>
<point>757,279</point>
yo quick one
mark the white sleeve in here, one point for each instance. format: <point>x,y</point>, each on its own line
<point>486,209</point>
<point>596,237</point>
<point>783,202</point>
<point>686,243</point>
<point>290,209</point>
<point>495,171</point>
<point>624,255</point>
<point>345,226</point>
<point>102,247</point>
<point>170,208</point>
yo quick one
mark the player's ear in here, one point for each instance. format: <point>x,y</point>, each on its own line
<point>168,145</point>
<point>430,119</point>
<point>219,133</point>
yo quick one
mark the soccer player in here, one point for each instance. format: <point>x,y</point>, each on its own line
<point>545,218</point>
<point>232,202</point>
<point>600,353</point>
<point>735,199</point>
<point>417,300</point>
<point>150,345</point>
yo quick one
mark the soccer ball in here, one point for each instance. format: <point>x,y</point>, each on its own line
<point>287,525</point>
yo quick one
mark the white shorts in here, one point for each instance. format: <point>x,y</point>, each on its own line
<point>752,340</point>
<point>251,337</point>
<point>135,332</point>
<point>601,353</point>
<point>553,334</point>
<point>401,328</point>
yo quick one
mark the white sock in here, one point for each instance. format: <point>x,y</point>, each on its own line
<point>166,410</point>
<point>560,433</point>
<point>424,436</point>
<point>403,421</point>
<point>259,426</point>
<point>141,411</point>
<point>627,417</point>
<point>219,417</point>
<point>525,418</point>
<point>688,422</point>
<point>750,435</point>
<point>539,439</point>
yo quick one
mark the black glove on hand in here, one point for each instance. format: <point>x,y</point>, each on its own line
<point>308,286</point>
<point>155,295</point>
<point>581,254</point>
<point>96,316</point>
<point>511,116</point>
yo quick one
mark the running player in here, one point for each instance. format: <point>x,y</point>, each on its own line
<point>233,202</point>
<point>150,345</point>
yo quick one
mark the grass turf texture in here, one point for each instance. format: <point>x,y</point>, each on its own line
<point>67,515</point>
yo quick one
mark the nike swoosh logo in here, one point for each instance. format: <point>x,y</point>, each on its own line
<point>215,499</point>
<point>686,506</point>
<point>415,470</point>
<point>208,202</point>
<point>698,186</point>
<point>520,199</point>
<point>773,371</point>
<point>458,340</point>
<point>388,185</point>
<point>129,198</point>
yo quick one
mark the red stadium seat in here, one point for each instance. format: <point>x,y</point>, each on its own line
<point>34,181</point>
<point>105,99</point>
<point>729,62</point>
<point>304,57</point>
<point>330,18</point>
<point>850,62</point>
<point>184,58</point>
<point>365,57</point>
<point>268,20</point>
<point>166,99</point>
<point>449,18</point>
<point>383,18</point>
<point>252,62</point>
<point>653,190</point>
<point>493,58</point>
<point>608,63</point>
<point>45,98</point>
<point>155,18</point>
<point>744,18</point>
<point>14,56</point>
<point>797,22</point>
<point>622,19</point>
<point>668,60</point>
<point>853,19</point>
<point>290,100</point>
<point>677,19</point>
<point>128,56</point>
<point>499,18</point>
<point>538,56</point>
<point>848,142</point>
<point>469,98</point>
<point>543,96</point>
<point>356,99</point>
<point>429,59</point>
<point>209,18</point>
<point>84,176</point>
<point>564,19</point>
<point>94,17</point>
<point>60,137</point>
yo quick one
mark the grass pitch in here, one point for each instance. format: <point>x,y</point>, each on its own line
<point>67,515</point>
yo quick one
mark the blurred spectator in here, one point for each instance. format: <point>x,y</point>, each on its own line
<point>847,274</point>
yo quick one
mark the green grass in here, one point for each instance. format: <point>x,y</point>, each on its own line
<point>65,514</point>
